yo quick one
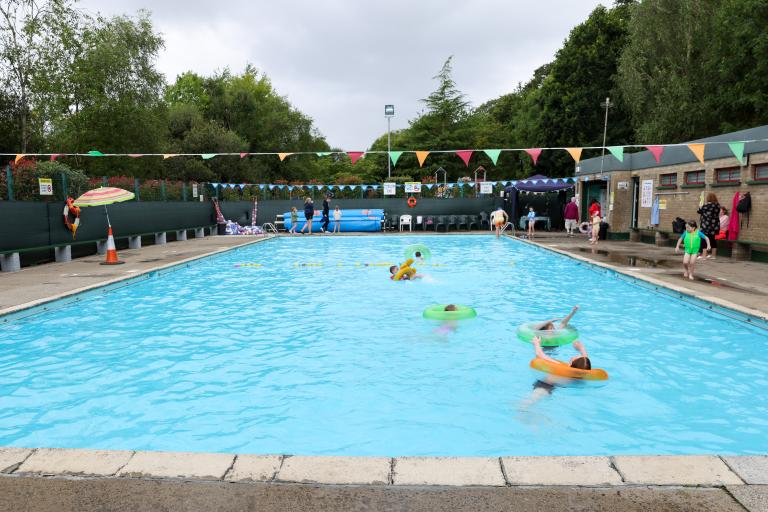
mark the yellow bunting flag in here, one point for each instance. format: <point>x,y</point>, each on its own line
<point>18,157</point>
<point>169,155</point>
<point>698,150</point>
<point>575,153</point>
<point>421,156</point>
<point>283,156</point>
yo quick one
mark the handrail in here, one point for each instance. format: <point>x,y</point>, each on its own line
<point>268,226</point>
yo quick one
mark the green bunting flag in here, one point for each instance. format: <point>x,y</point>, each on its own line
<point>395,156</point>
<point>208,156</point>
<point>617,151</point>
<point>493,154</point>
<point>737,148</point>
<point>323,153</point>
<point>95,153</point>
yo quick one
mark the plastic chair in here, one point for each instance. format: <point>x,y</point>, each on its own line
<point>441,222</point>
<point>453,220</point>
<point>484,220</point>
<point>462,221</point>
<point>473,220</point>
<point>405,220</point>
<point>392,222</point>
<point>429,221</point>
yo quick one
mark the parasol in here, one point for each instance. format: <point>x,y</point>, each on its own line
<point>103,196</point>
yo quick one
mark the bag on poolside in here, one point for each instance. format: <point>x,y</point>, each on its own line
<point>678,225</point>
<point>744,206</point>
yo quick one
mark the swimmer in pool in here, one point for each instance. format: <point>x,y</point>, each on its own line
<point>448,326</point>
<point>544,387</point>
<point>549,325</point>
<point>394,269</point>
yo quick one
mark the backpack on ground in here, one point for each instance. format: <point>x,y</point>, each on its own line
<point>744,206</point>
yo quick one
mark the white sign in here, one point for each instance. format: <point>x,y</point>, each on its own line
<point>622,185</point>
<point>46,186</point>
<point>486,187</point>
<point>194,190</point>
<point>412,187</point>
<point>389,189</point>
<point>647,194</point>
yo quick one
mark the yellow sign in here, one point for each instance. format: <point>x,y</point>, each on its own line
<point>46,186</point>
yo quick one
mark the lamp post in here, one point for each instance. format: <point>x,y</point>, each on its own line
<point>389,113</point>
<point>606,105</point>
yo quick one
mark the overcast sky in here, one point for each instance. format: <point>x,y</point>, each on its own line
<point>340,61</point>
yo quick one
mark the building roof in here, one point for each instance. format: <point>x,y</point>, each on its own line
<point>676,155</point>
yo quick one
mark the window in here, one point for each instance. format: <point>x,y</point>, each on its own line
<point>730,175</point>
<point>694,178</point>
<point>668,180</point>
<point>761,172</point>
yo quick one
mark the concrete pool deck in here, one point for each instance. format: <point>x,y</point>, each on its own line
<point>48,479</point>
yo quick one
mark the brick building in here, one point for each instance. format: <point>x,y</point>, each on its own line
<point>627,190</point>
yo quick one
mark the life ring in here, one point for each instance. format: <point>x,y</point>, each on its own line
<point>411,201</point>
<point>418,251</point>
<point>69,207</point>
<point>549,338</point>
<point>561,369</point>
<point>438,312</point>
<point>584,227</point>
<point>405,269</point>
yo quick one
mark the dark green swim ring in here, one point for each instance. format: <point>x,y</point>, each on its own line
<point>553,338</point>
<point>438,312</point>
<point>411,250</point>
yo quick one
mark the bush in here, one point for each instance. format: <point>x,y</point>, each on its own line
<point>26,187</point>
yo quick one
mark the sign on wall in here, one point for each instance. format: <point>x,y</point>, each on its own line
<point>412,187</point>
<point>486,188</point>
<point>622,185</point>
<point>194,190</point>
<point>647,194</point>
<point>389,189</point>
<point>46,186</point>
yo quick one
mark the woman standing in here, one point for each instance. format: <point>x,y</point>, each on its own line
<point>709,217</point>
<point>309,212</point>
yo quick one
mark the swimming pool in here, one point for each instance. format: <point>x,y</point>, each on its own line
<point>294,345</point>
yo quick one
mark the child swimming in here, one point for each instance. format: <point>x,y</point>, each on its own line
<point>408,276</point>
<point>549,325</point>
<point>448,326</point>
<point>544,387</point>
<point>691,240</point>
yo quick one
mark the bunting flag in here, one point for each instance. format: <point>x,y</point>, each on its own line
<point>575,153</point>
<point>95,153</point>
<point>283,156</point>
<point>656,151</point>
<point>493,154</point>
<point>355,155</point>
<point>323,153</point>
<point>135,155</point>
<point>465,155</point>
<point>421,156</point>
<point>618,152</point>
<point>737,148</point>
<point>353,187</point>
<point>242,186</point>
<point>208,156</point>
<point>214,185</point>
<point>697,150</point>
<point>243,155</point>
<point>534,154</point>
<point>18,157</point>
<point>395,156</point>
<point>55,156</point>
<point>169,155</point>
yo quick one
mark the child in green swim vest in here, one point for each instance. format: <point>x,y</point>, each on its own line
<point>691,240</point>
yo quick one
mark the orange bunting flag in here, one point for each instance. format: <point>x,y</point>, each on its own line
<point>421,156</point>
<point>243,155</point>
<point>575,153</point>
<point>283,156</point>
<point>534,154</point>
<point>19,157</point>
<point>169,155</point>
<point>698,150</point>
<point>355,155</point>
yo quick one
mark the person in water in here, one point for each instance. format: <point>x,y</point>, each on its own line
<point>691,240</point>
<point>394,269</point>
<point>498,219</point>
<point>543,387</point>
<point>549,325</point>
<point>448,326</point>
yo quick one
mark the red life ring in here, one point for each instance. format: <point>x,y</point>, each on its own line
<point>69,207</point>
<point>411,201</point>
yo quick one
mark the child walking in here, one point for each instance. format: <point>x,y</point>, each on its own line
<point>336,219</point>
<point>691,240</point>
<point>294,220</point>
<point>595,228</point>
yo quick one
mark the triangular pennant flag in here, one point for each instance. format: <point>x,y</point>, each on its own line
<point>421,156</point>
<point>323,153</point>
<point>656,151</point>
<point>737,148</point>
<point>242,186</point>
<point>321,187</point>
<point>355,155</point>
<point>283,156</point>
<point>55,156</point>
<point>534,154</point>
<point>208,156</point>
<point>342,187</point>
<point>394,156</point>
<point>135,155</point>
<point>575,153</point>
<point>243,155</point>
<point>261,187</point>
<point>18,157</point>
<point>272,187</point>
<point>429,185</point>
<point>95,153</point>
<point>465,155</point>
<point>493,154</point>
<point>698,150</point>
<point>375,187</point>
<point>169,155</point>
<point>311,187</point>
<point>290,188</point>
<point>353,187</point>
<point>617,151</point>
<point>214,185</point>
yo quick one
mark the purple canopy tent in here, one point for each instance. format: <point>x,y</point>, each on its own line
<point>536,183</point>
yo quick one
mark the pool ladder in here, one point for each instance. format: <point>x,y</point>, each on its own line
<point>267,227</point>
<point>508,225</point>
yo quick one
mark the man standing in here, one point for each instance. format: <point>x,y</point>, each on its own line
<point>326,214</point>
<point>571,215</point>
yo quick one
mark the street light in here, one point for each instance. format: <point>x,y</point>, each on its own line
<point>389,113</point>
<point>606,105</point>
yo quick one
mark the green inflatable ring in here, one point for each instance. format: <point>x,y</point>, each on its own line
<point>411,250</point>
<point>554,338</point>
<point>438,312</point>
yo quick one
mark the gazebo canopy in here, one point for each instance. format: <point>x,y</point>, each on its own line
<point>540,183</point>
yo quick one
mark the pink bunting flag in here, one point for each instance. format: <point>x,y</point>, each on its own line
<point>243,155</point>
<point>534,154</point>
<point>55,156</point>
<point>656,151</point>
<point>465,156</point>
<point>135,155</point>
<point>355,155</point>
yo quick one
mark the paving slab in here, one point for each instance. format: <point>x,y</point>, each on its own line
<point>753,497</point>
<point>335,470</point>
<point>12,457</point>
<point>66,461</point>
<point>205,466</point>
<point>254,468</point>
<point>592,471</point>
<point>448,471</point>
<point>753,469</point>
<point>706,470</point>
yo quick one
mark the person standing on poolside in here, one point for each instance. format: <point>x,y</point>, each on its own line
<point>594,207</point>
<point>309,212</point>
<point>326,214</point>
<point>337,219</point>
<point>294,220</point>
<point>531,221</point>
<point>709,217</point>
<point>571,216</point>
<point>691,240</point>
<point>498,219</point>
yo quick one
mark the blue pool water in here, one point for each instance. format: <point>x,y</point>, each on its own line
<point>336,359</point>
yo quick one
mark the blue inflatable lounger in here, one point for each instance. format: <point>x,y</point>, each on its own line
<point>351,220</point>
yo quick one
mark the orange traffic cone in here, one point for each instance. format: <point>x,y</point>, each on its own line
<point>111,251</point>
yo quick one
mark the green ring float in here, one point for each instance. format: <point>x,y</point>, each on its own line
<point>553,338</point>
<point>438,312</point>
<point>411,250</point>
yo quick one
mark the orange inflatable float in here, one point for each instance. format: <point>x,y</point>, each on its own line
<point>561,369</point>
